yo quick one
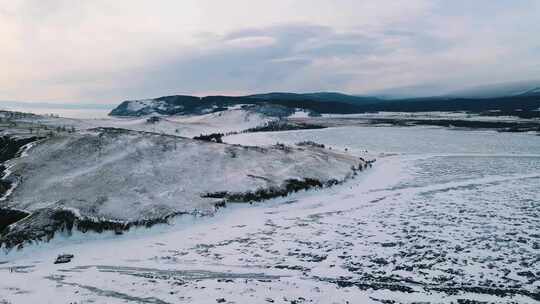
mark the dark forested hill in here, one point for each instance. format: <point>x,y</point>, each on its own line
<point>524,105</point>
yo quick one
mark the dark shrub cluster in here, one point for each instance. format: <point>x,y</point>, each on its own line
<point>10,146</point>
<point>4,185</point>
<point>10,216</point>
<point>153,119</point>
<point>62,220</point>
<point>282,147</point>
<point>289,186</point>
<point>310,143</point>
<point>283,125</point>
<point>214,137</point>
<point>219,194</point>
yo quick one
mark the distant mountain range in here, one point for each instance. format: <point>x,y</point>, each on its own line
<point>319,97</point>
<point>516,98</point>
<point>504,89</point>
<point>522,102</point>
<point>523,88</point>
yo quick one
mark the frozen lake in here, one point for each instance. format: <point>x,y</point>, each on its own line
<point>449,216</point>
<point>62,112</point>
<point>403,140</point>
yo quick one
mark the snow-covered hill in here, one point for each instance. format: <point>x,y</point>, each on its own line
<point>231,120</point>
<point>192,105</point>
<point>116,175</point>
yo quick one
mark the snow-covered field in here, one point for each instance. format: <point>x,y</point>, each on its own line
<point>444,217</point>
<point>430,116</point>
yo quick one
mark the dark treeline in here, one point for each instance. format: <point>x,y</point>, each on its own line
<point>521,106</point>
<point>283,125</point>
<point>502,126</point>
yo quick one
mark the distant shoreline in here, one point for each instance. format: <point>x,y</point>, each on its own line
<point>63,112</point>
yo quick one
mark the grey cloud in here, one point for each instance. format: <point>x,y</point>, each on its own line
<point>106,51</point>
<point>279,66</point>
<point>454,43</point>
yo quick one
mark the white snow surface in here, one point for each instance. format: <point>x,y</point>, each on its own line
<point>441,209</point>
<point>291,250</point>
<point>300,113</point>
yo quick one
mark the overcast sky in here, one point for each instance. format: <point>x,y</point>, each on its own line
<point>105,51</point>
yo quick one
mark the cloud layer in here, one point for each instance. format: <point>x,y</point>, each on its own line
<point>106,51</point>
